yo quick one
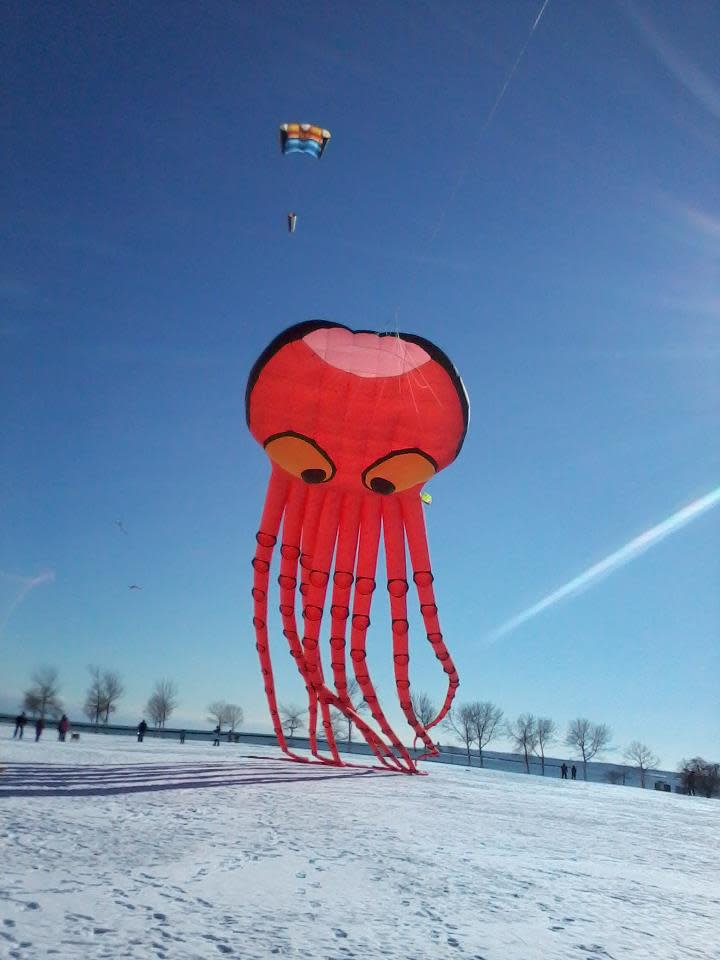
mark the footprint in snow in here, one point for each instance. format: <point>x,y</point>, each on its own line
<point>340,933</point>
<point>452,942</point>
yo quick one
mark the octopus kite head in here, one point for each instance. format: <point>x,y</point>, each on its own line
<point>354,424</point>
<point>378,413</point>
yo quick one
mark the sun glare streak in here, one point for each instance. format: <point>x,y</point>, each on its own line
<point>612,562</point>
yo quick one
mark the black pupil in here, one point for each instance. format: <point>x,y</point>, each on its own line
<point>315,475</point>
<point>381,485</point>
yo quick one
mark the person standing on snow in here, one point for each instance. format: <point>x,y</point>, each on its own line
<point>573,772</point>
<point>563,771</point>
<point>20,721</point>
<point>216,732</point>
<point>142,728</point>
<point>39,727</point>
<point>63,727</point>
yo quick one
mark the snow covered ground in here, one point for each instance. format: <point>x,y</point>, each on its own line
<point>114,849</point>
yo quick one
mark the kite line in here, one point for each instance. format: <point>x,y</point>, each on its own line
<point>485,126</point>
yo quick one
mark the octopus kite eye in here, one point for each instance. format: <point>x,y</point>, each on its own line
<point>300,456</point>
<point>399,471</point>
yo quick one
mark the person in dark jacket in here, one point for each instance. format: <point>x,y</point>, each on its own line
<point>20,721</point>
<point>563,771</point>
<point>142,729</point>
<point>573,772</point>
<point>216,733</point>
<point>63,727</point>
<point>182,736</point>
<point>39,727</point>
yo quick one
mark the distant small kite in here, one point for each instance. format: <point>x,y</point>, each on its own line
<point>134,586</point>
<point>119,523</point>
<point>292,222</point>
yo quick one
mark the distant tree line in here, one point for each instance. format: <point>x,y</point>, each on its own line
<point>478,723</point>
<point>106,687</point>
<point>475,724</point>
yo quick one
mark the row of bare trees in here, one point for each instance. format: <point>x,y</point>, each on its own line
<point>476,723</point>
<point>292,717</point>
<point>481,722</point>
<point>224,714</point>
<point>42,699</point>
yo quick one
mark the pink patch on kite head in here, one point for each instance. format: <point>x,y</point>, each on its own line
<point>366,354</point>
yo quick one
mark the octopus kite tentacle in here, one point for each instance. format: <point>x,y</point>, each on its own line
<point>307,545</point>
<point>287,580</point>
<point>362,596</point>
<point>319,574</point>
<point>423,578</point>
<point>343,579</point>
<point>397,586</point>
<point>266,539</point>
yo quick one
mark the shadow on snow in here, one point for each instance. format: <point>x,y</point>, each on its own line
<point>57,780</point>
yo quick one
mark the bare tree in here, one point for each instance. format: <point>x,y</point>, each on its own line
<point>162,702</point>
<point>104,691</point>
<point>234,715</point>
<point>292,718</point>
<point>523,735</point>
<point>640,756</point>
<point>486,722</point>
<point>699,776</point>
<point>216,712</point>
<point>42,698</point>
<point>589,738</point>
<point>221,713</point>
<point>94,705</point>
<point>113,688</point>
<point>423,708</point>
<point>461,720</point>
<point>616,777</point>
<point>545,733</point>
<point>357,702</point>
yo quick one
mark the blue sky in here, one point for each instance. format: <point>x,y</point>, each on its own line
<point>566,256</point>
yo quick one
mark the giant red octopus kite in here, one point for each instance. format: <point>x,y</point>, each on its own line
<point>354,424</point>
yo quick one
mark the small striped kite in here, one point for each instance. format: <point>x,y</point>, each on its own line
<point>303,138</point>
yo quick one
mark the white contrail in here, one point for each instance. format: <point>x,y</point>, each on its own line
<point>25,585</point>
<point>616,560</point>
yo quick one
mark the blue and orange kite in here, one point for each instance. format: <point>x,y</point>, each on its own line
<point>303,138</point>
